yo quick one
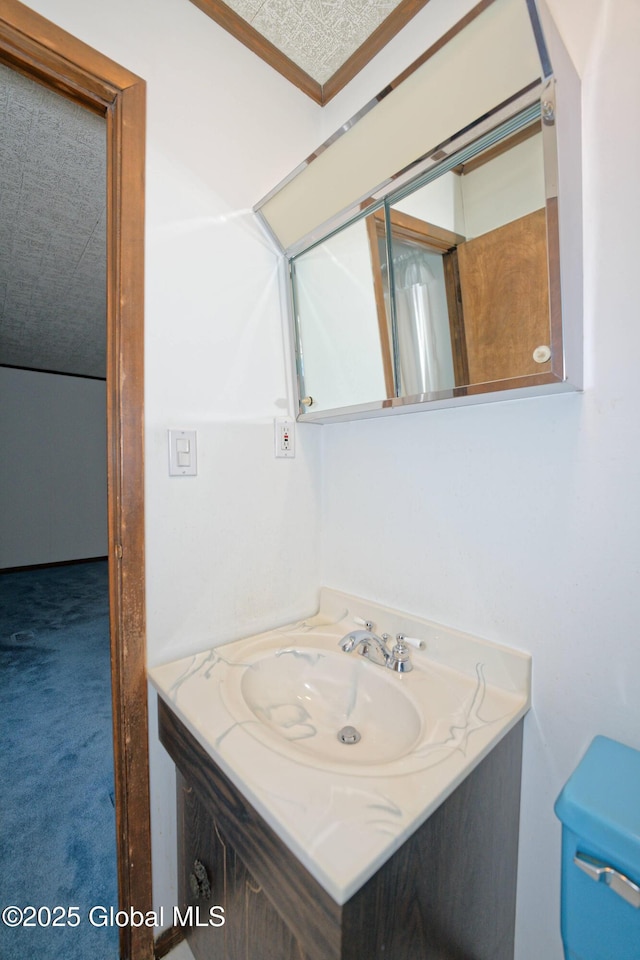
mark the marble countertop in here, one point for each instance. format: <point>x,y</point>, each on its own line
<point>344,820</point>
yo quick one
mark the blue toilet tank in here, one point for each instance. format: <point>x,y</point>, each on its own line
<point>600,812</point>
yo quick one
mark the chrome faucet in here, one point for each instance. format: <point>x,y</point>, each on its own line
<point>374,648</point>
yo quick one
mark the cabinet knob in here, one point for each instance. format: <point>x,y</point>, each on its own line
<point>542,353</point>
<point>199,881</point>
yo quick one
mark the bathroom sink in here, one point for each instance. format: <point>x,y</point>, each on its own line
<point>328,709</point>
<point>268,708</point>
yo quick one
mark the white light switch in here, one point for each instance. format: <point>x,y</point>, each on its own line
<point>183,460</point>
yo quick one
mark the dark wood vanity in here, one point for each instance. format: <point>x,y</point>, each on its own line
<point>448,892</point>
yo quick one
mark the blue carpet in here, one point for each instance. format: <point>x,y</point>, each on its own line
<point>57,819</point>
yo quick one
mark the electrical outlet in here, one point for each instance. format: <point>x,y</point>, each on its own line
<point>285,438</point>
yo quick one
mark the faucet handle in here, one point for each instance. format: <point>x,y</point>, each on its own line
<point>412,641</point>
<point>400,649</point>
<point>399,659</point>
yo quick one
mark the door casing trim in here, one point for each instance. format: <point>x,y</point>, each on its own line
<point>37,48</point>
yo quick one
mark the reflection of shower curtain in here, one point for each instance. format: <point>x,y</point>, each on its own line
<point>418,351</point>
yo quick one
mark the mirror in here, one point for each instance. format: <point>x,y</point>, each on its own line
<point>470,268</point>
<point>441,285</point>
<point>445,286</point>
<point>343,343</point>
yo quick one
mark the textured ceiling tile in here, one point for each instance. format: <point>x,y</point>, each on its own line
<point>301,38</point>
<point>246,9</point>
<point>320,35</point>
<point>52,231</point>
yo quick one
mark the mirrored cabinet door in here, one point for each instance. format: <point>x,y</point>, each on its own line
<point>470,270</point>
<point>443,288</point>
<point>344,348</point>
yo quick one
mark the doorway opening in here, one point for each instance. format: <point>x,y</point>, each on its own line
<point>38,49</point>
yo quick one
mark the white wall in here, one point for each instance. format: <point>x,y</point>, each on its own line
<point>508,187</point>
<point>53,468</point>
<point>438,202</point>
<point>338,321</point>
<point>520,521</point>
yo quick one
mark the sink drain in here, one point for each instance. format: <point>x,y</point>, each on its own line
<point>348,735</point>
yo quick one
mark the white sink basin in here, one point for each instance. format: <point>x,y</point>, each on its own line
<point>297,701</point>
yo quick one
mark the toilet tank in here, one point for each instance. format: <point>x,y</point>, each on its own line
<point>600,812</point>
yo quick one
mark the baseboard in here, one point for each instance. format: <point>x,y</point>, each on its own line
<point>55,563</point>
<point>167,940</point>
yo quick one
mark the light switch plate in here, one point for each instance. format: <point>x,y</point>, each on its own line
<point>183,453</point>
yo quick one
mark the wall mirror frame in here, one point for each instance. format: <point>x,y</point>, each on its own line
<point>445,267</point>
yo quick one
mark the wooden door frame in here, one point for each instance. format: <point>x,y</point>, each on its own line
<point>428,236</point>
<point>38,49</point>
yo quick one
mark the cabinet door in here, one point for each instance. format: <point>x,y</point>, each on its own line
<point>198,843</point>
<point>263,933</point>
<point>504,280</point>
<point>253,929</point>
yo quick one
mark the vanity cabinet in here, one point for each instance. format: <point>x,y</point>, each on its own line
<point>447,893</point>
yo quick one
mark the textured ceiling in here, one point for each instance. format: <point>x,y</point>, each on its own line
<point>318,35</point>
<point>318,45</point>
<point>52,231</point>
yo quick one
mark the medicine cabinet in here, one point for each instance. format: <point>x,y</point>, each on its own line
<point>433,244</point>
